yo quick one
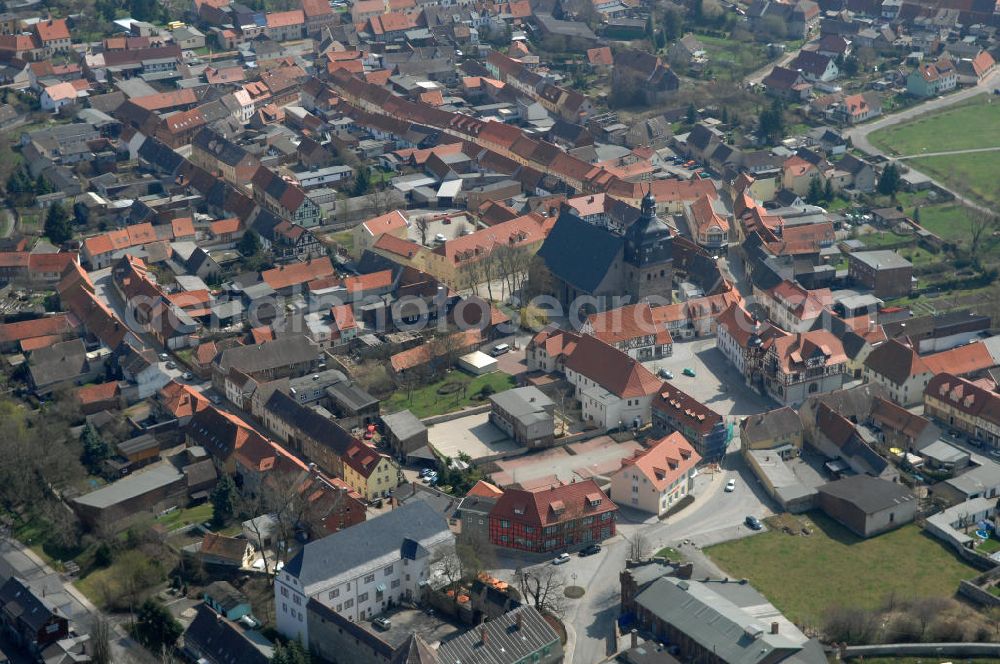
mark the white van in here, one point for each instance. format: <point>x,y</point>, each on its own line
<point>499,350</point>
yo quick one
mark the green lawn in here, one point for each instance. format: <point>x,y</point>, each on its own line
<point>730,59</point>
<point>974,173</point>
<point>805,575</point>
<point>948,221</point>
<point>180,518</point>
<point>425,401</point>
<point>885,239</point>
<point>972,125</point>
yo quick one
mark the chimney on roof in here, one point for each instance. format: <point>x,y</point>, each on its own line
<point>484,636</point>
<point>774,627</point>
<point>520,620</point>
<point>635,637</point>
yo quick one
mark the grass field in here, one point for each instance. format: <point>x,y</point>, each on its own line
<point>972,125</point>
<point>729,59</point>
<point>805,575</point>
<point>972,173</point>
<point>425,401</point>
<point>186,517</point>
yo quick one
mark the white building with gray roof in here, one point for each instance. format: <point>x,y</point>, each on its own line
<point>357,572</point>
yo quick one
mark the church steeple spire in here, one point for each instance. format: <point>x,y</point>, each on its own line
<point>648,207</point>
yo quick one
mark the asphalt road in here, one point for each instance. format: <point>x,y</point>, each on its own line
<point>715,516</point>
<point>16,559</point>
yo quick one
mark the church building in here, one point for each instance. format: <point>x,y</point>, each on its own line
<point>601,262</point>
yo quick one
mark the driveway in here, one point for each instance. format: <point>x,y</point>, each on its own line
<point>569,463</point>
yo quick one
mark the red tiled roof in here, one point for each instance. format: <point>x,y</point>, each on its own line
<point>53,29</point>
<point>626,323</point>
<point>40,327</point>
<point>182,227</point>
<point>555,341</point>
<point>298,273</point>
<point>418,355</point>
<point>612,369</point>
<point>164,100</point>
<point>552,505</point>
<point>484,489</point>
<point>343,317</point>
<point>285,19</point>
<point>668,460</point>
<point>680,406</point>
<point>314,8</point>
<point>182,400</point>
<point>223,226</point>
<point>961,359</point>
<point>600,56</point>
<point>205,353</point>
<point>28,345</point>
<point>366,282</point>
<point>385,223</point>
<point>89,394</point>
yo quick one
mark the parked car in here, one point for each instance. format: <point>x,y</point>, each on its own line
<point>187,375</point>
<point>689,372</point>
<point>753,523</point>
<point>171,365</point>
<point>590,550</point>
<point>382,623</point>
<point>164,357</point>
<point>730,486</point>
<point>561,559</point>
<point>666,374</point>
<point>499,350</point>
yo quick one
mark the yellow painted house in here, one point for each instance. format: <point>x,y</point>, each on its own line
<point>369,472</point>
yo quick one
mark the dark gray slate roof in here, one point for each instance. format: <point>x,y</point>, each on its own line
<point>358,545</point>
<point>505,642</point>
<point>868,494</point>
<point>580,253</point>
<point>223,641</point>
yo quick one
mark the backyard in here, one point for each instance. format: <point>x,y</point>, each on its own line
<point>805,575</point>
<point>730,59</point>
<point>453,392</point>
<point>975,124</point>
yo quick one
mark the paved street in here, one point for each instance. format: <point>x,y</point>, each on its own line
<point>716,382</point>
<point>105,290</point>
<point>18,560</point>
<point>715,516</point>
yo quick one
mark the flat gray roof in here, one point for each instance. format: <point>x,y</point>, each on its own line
<point>132,486</point>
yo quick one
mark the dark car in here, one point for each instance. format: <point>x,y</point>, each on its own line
<point>753,523</point>
<point>590,550</point>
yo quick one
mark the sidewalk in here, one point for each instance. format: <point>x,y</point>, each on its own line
<point>125,650</point>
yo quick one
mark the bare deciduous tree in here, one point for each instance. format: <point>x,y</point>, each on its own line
<point>638,547</point>
<point>423,228</point>
<point>100,637</point>
<point>543,589</point>
<point>979,224</point>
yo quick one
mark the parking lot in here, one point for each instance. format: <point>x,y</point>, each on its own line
<point>404,622</point>
<point>716,382</point>
<point>473,435</point>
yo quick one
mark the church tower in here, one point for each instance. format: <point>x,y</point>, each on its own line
<point>648,254</point>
